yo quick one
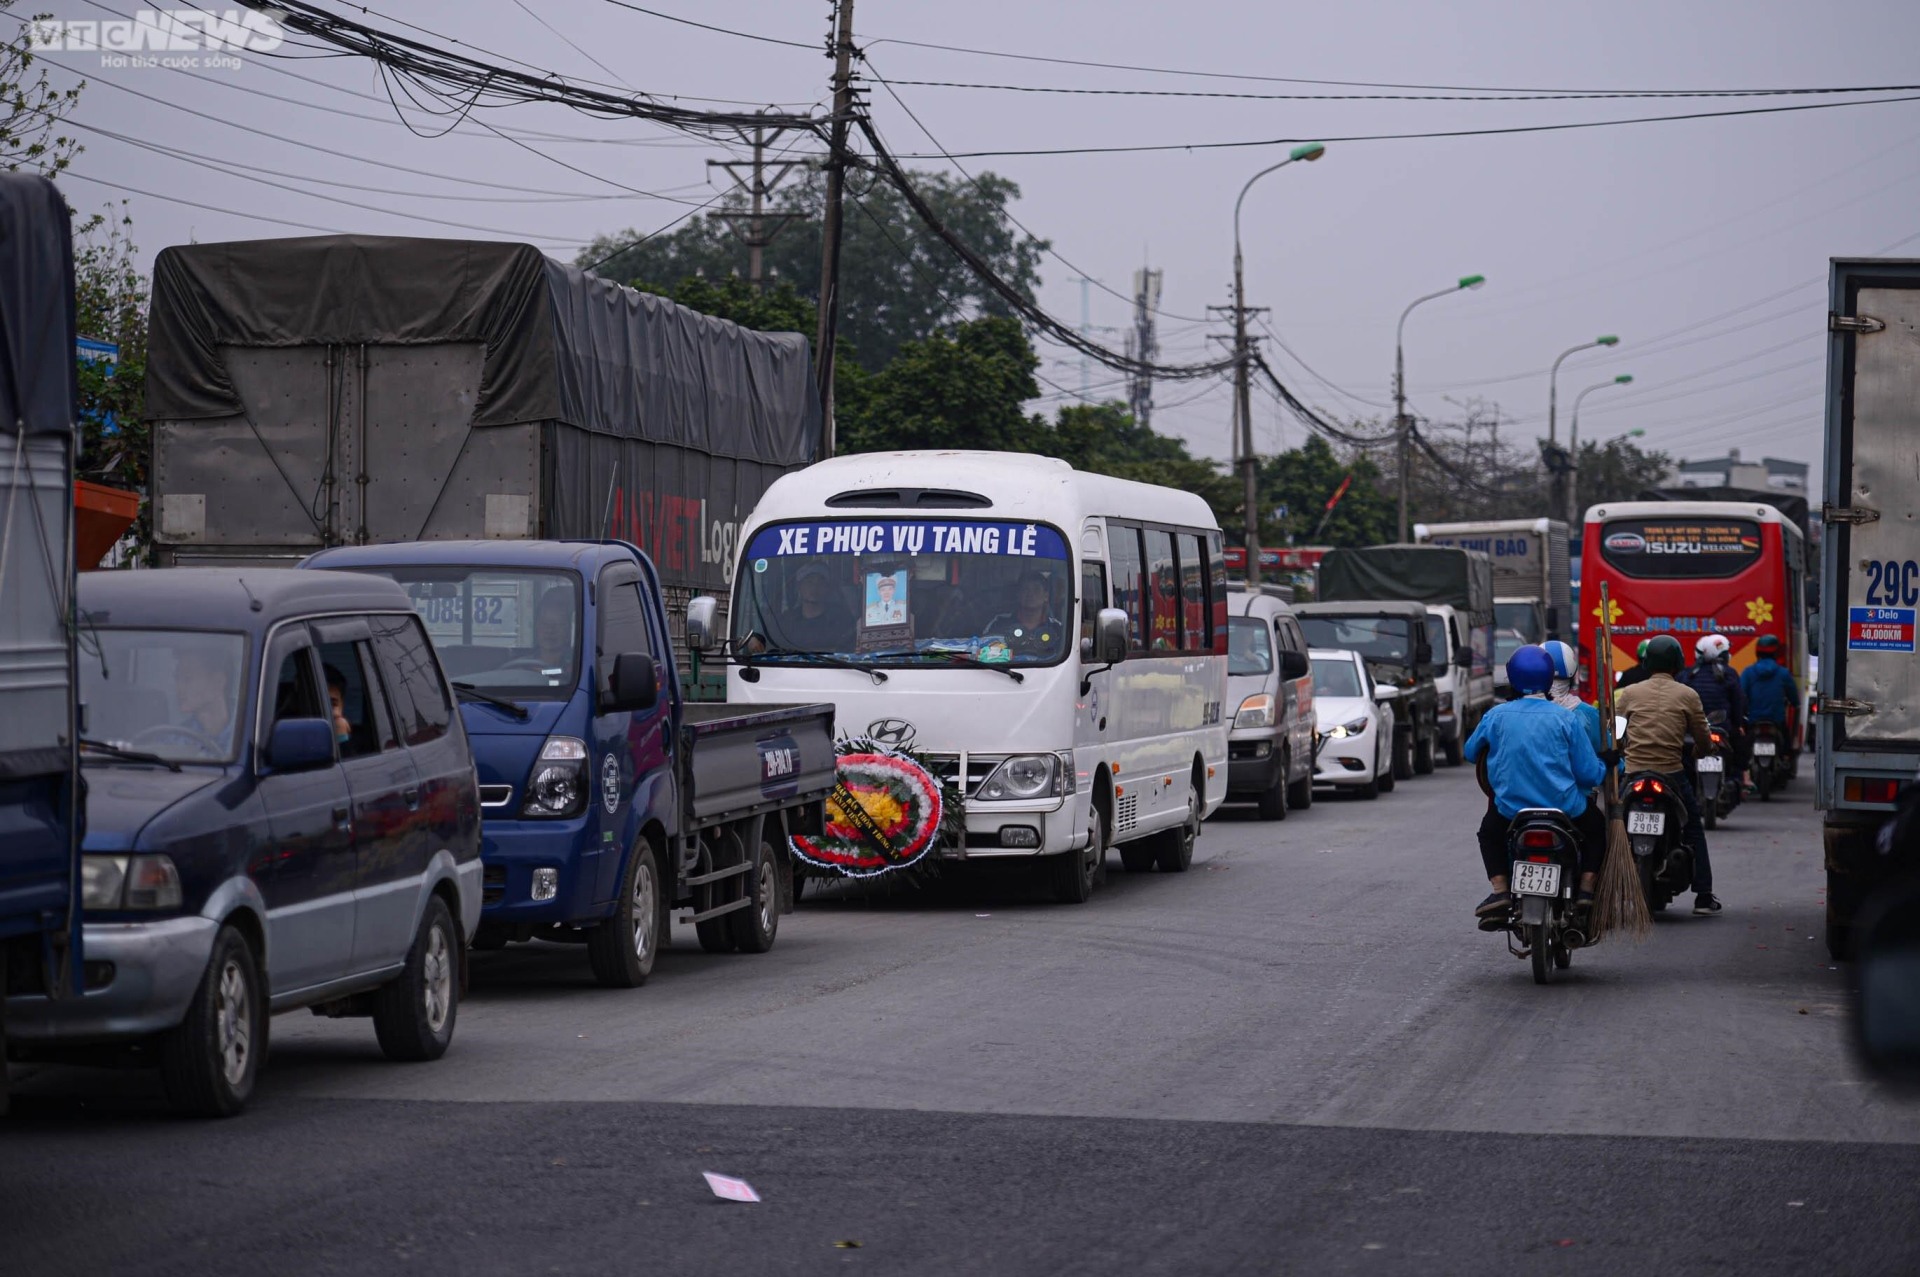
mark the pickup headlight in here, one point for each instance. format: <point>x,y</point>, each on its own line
<point>557,787</point>
<point>1025,777</point>
<point>1255,711</point>
<point>129,882</point>
<point>1355,727</point>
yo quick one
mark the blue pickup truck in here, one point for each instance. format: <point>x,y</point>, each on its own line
<point>607,798</point>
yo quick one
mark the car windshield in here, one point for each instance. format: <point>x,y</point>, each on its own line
<point>1335,676</point>
<point>1506,643</point>
<point>174,693</point>
<point>1378,638</point>
<point>1521,618</point>
<point>905,592</point>
<point>511,632</point>
<point>1249,646</point>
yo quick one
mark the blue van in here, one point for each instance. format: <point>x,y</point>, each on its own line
<point>281,813</point>
<point>607,798</point>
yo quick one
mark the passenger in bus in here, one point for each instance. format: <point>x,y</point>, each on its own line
<point>1662,715</point>
<point>819,621</point>
<point>1031,629</point>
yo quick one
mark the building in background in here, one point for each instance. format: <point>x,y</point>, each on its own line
<point>1732,472</point>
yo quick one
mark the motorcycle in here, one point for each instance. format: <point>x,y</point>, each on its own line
<point>1545,865</point>
<point>1717,798</point>
<point>1656,817</point>
<point>1772,760</point>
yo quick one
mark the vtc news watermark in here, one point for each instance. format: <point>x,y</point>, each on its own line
<point>177,39</point>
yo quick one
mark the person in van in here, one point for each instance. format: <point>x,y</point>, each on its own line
<point>201,691</point>
<point>1031,629</point>
<point>337,706</point>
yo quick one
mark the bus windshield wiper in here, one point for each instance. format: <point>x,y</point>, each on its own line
<point>128,755</point>
<point>473,693</point>
<point>968,662</point>
<point>824,658</point>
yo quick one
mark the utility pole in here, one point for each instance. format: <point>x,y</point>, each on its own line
<point>1240,430</point>
<point>761,226</point>
<point>1402,429</point>
<point>1142,345</point>
<point>830,222</point>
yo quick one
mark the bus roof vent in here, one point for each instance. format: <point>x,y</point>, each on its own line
<point>908,499</point>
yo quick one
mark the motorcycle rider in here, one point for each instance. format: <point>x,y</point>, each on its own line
<point>1529,752</point>
<point>1639,673</point>
<point>1661,715</point>
<point>1769,689</point>
<point>1720,695</point>
<point>1566,669</point>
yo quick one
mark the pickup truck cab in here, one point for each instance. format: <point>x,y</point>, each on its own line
<point>1462,683</point>
<point>607,799</point>
<point>281,813</point>
<point>1270,696</point>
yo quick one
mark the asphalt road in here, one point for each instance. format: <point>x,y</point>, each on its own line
<point>1299,1057</point>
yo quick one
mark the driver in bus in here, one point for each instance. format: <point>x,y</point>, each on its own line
<point>818,622</point>
<point>1031,629</point>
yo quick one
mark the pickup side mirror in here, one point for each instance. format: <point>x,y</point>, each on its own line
<point>1463,658</point>
<point>700,617</point>
<point>1109,636</point>
<point>633,685</point>
<point>1293,664</point>
<point>1423,653</point>
<point>300,745</point>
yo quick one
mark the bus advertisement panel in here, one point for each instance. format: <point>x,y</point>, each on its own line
<point>1693,568</point>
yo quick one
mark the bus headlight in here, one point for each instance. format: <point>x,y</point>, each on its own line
<point>1025,777</point>
<point>1255,711</point>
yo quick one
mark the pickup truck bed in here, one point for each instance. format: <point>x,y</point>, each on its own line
<point>742,762</point>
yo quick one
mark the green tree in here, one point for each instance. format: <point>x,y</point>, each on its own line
<point>1303,480</point>
<point>779,309</point>
<point>899,282</point>
<point>962,388</point>
<point>31,110</point>
<point>1105,439</point>
<point>1618,471</point>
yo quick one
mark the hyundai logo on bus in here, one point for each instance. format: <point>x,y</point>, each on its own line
<point>910,536</point>
<point>896,732</point>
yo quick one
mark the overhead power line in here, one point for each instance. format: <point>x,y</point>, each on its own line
<point>1605,95</point>
<point>704,26</point>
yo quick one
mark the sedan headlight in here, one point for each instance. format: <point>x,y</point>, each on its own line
<point>129,882</point>
<point>558,786</point>
<point>1025,777</point>
<point>1354,727</point>
<point>1255,711</point>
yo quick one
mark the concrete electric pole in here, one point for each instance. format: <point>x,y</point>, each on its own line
<point>759,181</point>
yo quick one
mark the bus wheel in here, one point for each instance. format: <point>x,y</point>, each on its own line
<point>1173,848</point>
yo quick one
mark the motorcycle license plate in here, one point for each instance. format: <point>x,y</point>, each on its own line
<point>1646,822</point>
<point>1713,765</point>
<point>1533,879</point>
<point>1764,749</point>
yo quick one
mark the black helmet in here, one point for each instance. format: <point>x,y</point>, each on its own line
<point>1664,655</point>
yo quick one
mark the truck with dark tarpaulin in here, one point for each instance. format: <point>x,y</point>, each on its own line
<point>40,803</point>
<point>358,389</point>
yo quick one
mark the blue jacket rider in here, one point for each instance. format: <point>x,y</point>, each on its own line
<point>1534,753</point>
<point>1768,686</point>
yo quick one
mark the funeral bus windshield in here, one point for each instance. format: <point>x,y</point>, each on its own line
<point>906,592</point>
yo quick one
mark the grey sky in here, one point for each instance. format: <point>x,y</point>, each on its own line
<point>1702,244</point>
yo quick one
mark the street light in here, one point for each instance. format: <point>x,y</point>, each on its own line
<point>1402,424</point>
<point>1556,481</point>
<point>1243,407</point>
<point>1573,445</point>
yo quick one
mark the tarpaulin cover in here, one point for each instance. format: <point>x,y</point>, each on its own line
<point>38,380</point>
<point>1419,573</point>
<point>561,345</point>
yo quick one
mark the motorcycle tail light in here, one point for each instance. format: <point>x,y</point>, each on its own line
<point>1539,838</point>
<point>1540,860</point>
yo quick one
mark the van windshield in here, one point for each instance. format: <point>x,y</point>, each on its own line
<point>1387,639</point>
<point>513,632</point>
<point>175,693</point>
<point>1249,646</point>
<point>906,591</point>
<point>1522,618</point>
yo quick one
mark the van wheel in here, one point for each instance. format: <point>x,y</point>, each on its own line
<point>754,928</point>
<point>1423,757</point>
<point>1173,848</point>
<point>1273,800</point>
<point>1300,792</point>
<point>209,1063</point>
<point>413,1013</point>
<point>622,949</point>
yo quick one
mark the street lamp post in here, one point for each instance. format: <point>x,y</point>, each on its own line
<point>1556,479</point>
<point>1402,424</point>
<point>1573,446</point>
<point>1242,405</point>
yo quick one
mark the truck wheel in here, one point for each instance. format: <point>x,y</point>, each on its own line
<point>622,949</point>
<point>1403,755</point>
<point>754,928</point>
<point>1173,848</point>
<point>1454,747</point>
<point>413,1013</point>
<point>1072,873</point>
<point>1423,756</point>
<point>209,1063</point>
<point>1136,857</point>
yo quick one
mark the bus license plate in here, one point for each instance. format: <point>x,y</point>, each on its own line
<point>1533,879</point>
<point>1646,822</point>
<point>1713,765</point>
<point>1763,749</point>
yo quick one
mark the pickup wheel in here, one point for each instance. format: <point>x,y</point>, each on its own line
<point>754,928</point>
<point>413,1013</point>
<point>622,949</point>
<point>1423,756</point>
<point>209,1063</point>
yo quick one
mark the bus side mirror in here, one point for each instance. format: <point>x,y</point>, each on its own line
<point>1109,636</point>
<point>700,617</point>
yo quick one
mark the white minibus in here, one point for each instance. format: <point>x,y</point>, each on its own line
<point>1052,643</point>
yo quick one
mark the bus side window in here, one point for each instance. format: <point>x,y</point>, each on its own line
<point>1217,593</point>
<point>1165,584</point>
<point>1129,592</point>
<point>1093,597</point>
<point>1195,628</point>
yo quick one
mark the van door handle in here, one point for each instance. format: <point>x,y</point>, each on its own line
<point>412,798</point>
<point>342,818</point>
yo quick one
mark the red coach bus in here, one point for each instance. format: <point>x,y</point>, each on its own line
<point>1689,568</point>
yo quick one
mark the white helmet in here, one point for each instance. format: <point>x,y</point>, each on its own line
<point>1712,647</point>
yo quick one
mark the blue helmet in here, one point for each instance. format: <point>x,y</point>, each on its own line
<point>1565,659</point>
<point>1530,669</point>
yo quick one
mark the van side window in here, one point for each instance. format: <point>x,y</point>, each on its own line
<point>1194,619</point>
<point>349,706</point>
<point>296,694</point>
<point>1129,593</point>
<point>413,679</point>
<point>1166,590</point>
<point>376,698</point>
<point>1093,597</point>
